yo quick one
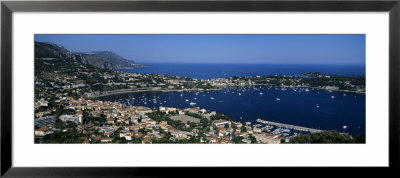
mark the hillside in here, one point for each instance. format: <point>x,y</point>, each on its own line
<point>108,59</point>
<point>102,59</point>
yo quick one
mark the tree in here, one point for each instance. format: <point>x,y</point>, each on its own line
<point>234,126</point>
<point>122,140</point>
<point>192,125</point>
<point>85,117</point>
<point>226,126</point>
<point>220,116</point>
<point>143,130</point>
<point>253,139</point>
<point>238,139</point>
<point>330,136</point>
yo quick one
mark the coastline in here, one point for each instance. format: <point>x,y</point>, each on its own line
<point>349,91</point>
<point>114,92</point>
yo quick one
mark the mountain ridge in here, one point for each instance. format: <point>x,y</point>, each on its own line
<point>102,59</point>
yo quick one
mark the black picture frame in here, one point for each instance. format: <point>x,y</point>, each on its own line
<point>8,7</point>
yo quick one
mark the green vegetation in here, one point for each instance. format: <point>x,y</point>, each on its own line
<point>238,139</point>
<point>327,137</point>
<point>220,116</point>
<point>66,133</point>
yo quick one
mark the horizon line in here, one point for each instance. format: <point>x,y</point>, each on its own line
<point>138,62</point>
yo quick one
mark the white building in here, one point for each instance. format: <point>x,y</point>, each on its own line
<point>221,123</point>
<point>71,118</point>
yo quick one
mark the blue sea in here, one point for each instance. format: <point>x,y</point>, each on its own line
<point>208,71</point>
<point>312,108</point>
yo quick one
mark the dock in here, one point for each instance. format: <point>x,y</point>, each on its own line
<point>288,126</point>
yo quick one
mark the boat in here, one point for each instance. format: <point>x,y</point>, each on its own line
<point>186,100</point>
<point>345,127</point>
<point>278,99</point>
<point>239,94</point>
<point>332,97</point>
<point>317,106</point>
<point>181,94</point>
<point>261,93</point>
<point>212,98</point>
<point>192,104</point>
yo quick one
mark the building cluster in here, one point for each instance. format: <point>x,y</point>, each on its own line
<point>113,122</point>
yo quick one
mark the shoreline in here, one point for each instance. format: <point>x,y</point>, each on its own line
<point>114,92</point>
<point>349,91</point>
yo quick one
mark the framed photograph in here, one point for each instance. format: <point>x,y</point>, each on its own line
<point>102,88</point>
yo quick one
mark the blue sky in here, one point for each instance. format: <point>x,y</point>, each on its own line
<point>270,49</point>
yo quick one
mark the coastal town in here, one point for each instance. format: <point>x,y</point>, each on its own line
<point>67,108</point>
<point>94,121</point>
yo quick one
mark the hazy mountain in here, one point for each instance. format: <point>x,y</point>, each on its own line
<point>108,59</point>
<point>103,59</point>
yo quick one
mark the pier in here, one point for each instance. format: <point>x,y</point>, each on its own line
<point>288,126</point>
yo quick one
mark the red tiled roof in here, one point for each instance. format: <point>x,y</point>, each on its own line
<point>44,129</point>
